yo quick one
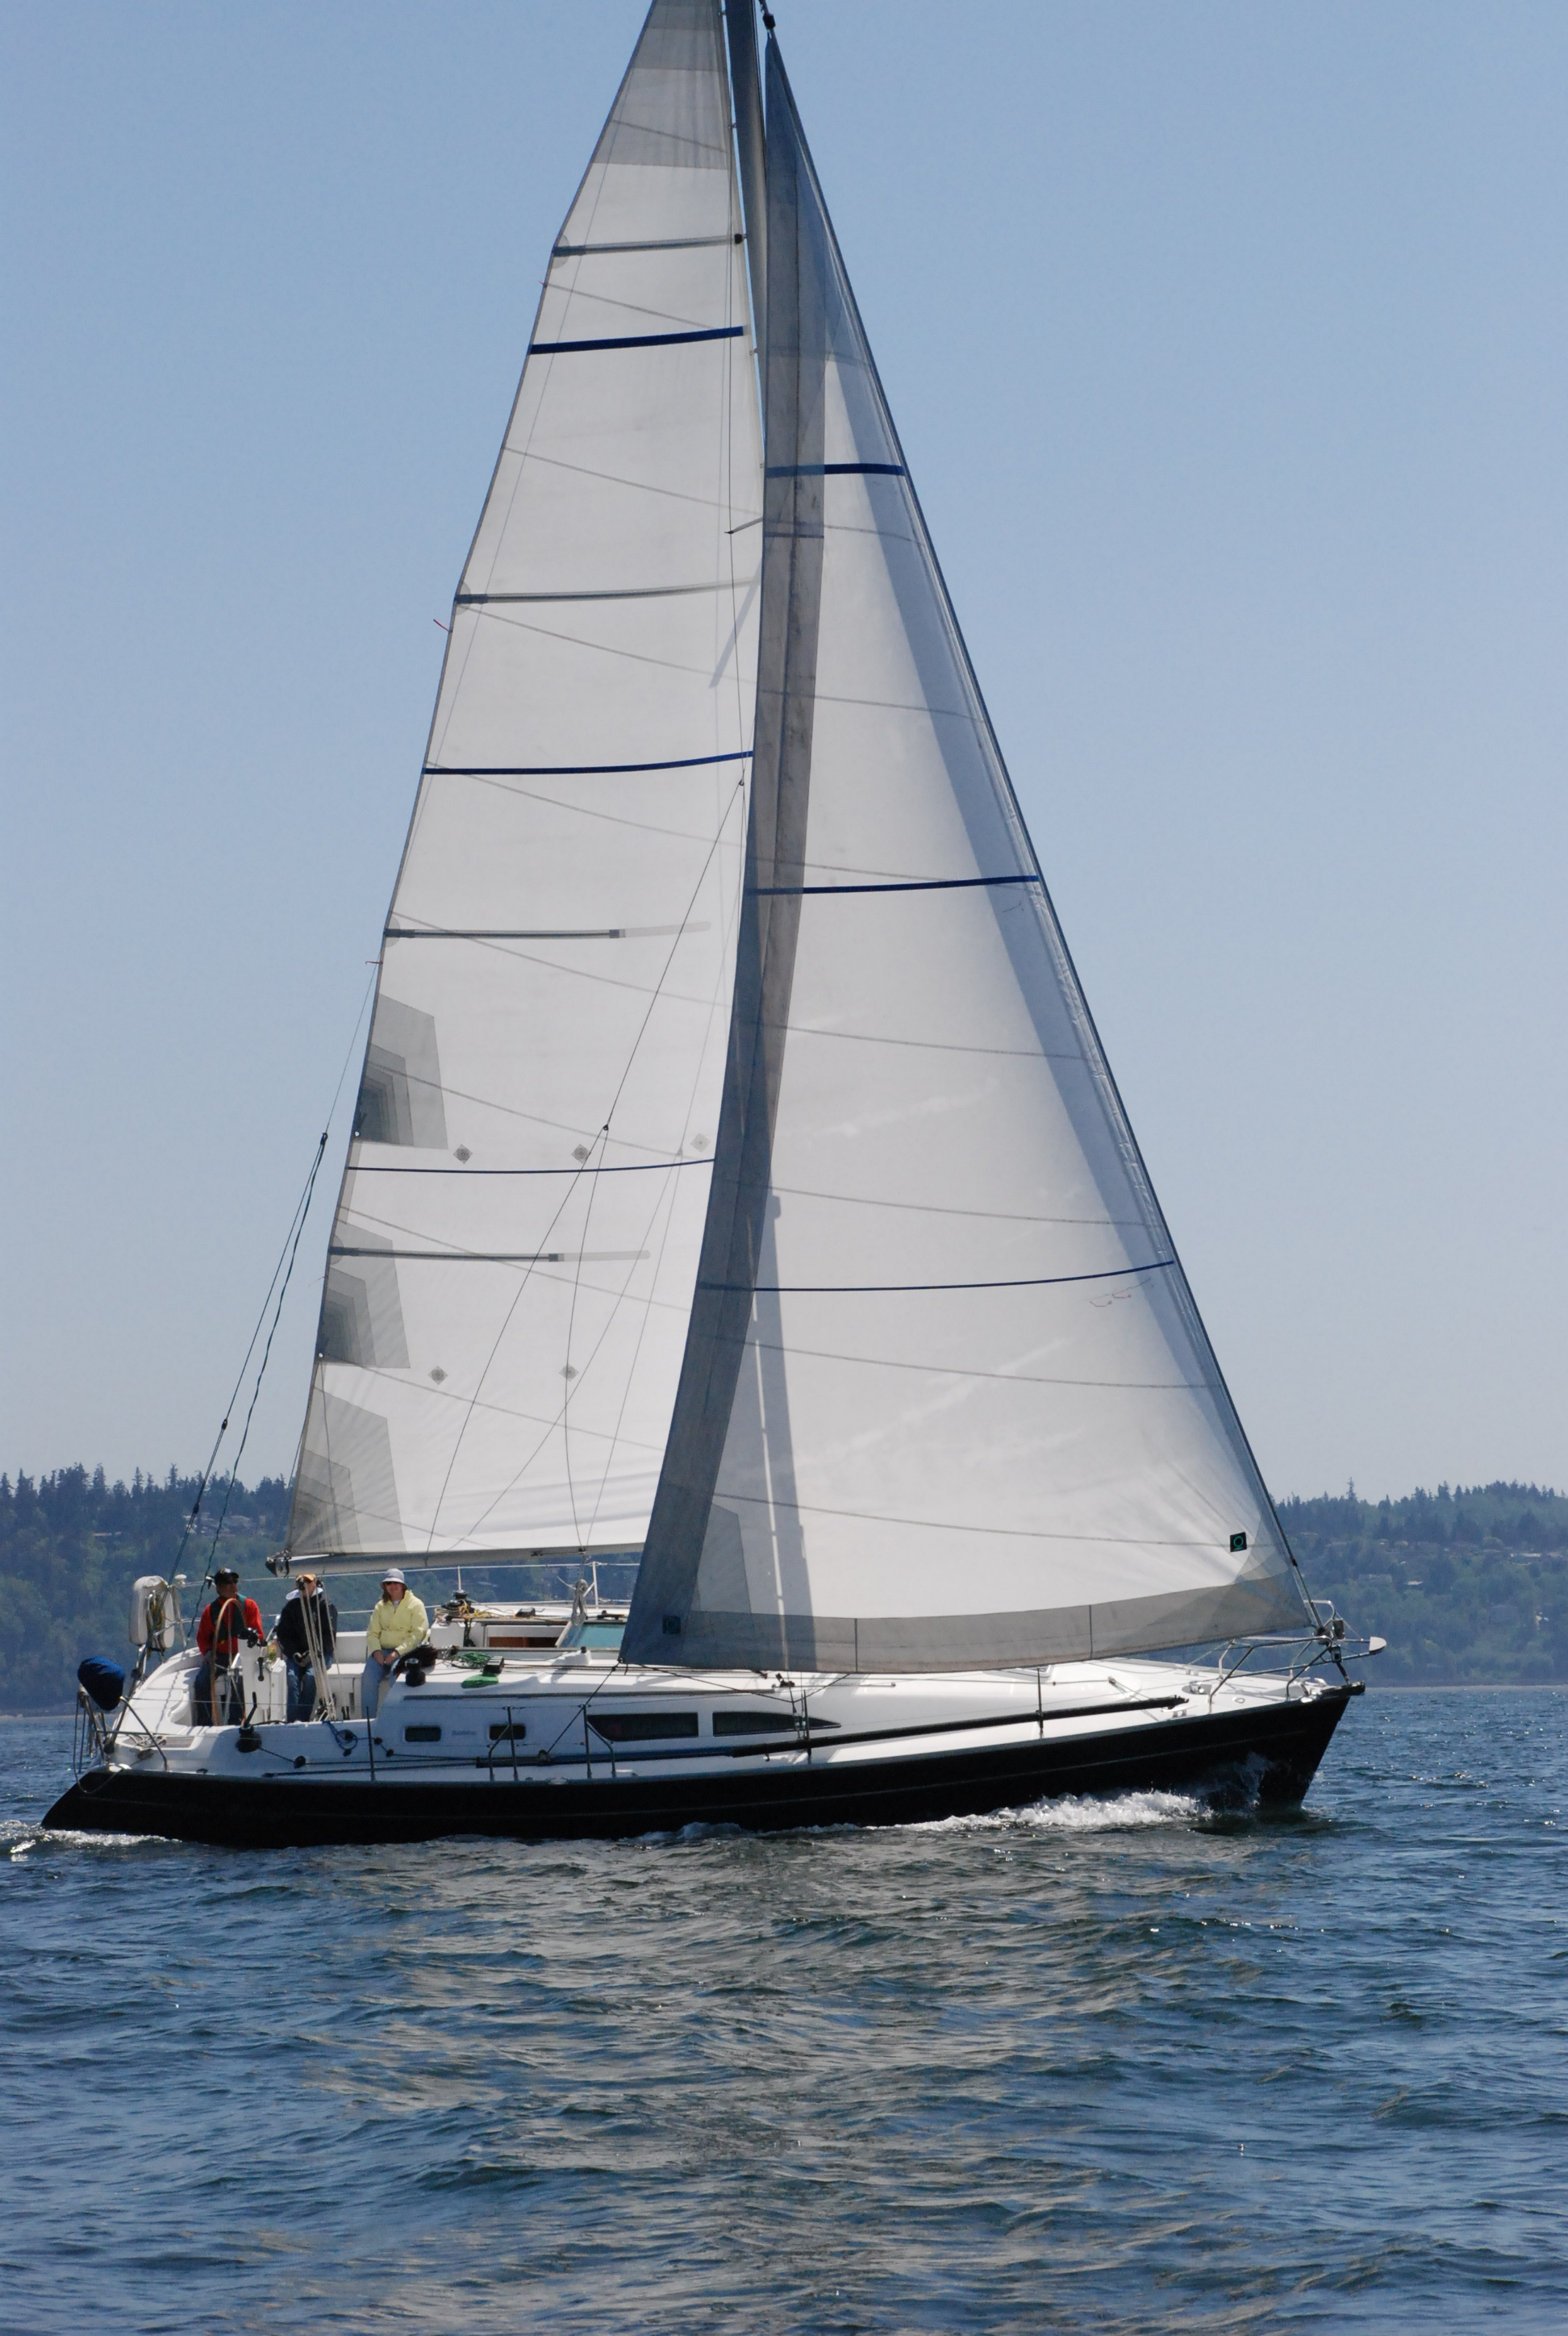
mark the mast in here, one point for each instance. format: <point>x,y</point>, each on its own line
<point>945,1398</point>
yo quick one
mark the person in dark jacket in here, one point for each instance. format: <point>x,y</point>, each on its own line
<point>306,1629</point>
<point>227,1622</point>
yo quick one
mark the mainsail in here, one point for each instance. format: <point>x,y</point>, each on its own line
<point>513,1259</point>
<point>945,1398</point>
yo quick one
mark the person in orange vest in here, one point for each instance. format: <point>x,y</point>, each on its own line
<point>227,1622</point>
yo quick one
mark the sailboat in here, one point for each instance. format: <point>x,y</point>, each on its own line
<point>738,1188</point>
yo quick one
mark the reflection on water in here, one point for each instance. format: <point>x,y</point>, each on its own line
<point>1121,2064</point>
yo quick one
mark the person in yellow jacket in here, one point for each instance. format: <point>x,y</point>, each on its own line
<point>397,1625</point>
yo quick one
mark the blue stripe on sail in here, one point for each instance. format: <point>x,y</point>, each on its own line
<point>634,341</point>
<point>835,471</point>
<point>892,1288</point>
<point>573,770</point>
<point>623,1168</point>
<point>924,884</point>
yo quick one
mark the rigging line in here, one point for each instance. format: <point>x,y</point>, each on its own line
<point>739,795</point>
<point>879,1289</point>
<point>937,1046</point>
<point>664,1200</point>
<point>592,648</point>
<point>600,1139</point>
<point>940,1209</point>
<point>616,479</point>
<point>574,770</point>
<point>597,648</point>
<point>916,884</point>
<point>667,1200</point>
<point>229,1407</point>
<point>302,1204</point>
<point>966,1371</point>
<point>620,301</point>
<point>267,1350</point>
<point>592,811</point>
<point>398,1378</point>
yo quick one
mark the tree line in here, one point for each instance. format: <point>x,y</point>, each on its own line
<point>1468,1583</point>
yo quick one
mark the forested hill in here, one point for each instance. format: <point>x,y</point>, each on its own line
<point>71,1544</point>
<point>1468,1584</point>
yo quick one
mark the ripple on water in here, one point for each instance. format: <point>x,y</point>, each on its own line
<point>1120,2064</point>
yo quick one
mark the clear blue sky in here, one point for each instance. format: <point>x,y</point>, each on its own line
<point>1227,342</point>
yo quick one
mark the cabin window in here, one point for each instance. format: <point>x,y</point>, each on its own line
<point>507,1731</point>
<point>641,1727</point>
<point>422,1735</point>
<point>761,1723</point>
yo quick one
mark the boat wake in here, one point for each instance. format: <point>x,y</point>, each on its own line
<point>19,1837</point>
<point>1086,1813</point>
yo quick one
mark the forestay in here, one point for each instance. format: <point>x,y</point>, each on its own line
<point>946,1397</point>
<point>513,1259</point>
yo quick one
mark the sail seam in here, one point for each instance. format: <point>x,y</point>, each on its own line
<point>967,1525</point>
<point>921,884</point>
<point>625,592</point>
<point>574,770</point>
<point>635,341</point>
<point>622,1168</point>
<point>538,933</point>
<point>662,243</point>
<point>836,471</point>
<point>501,1256</point>
<point>896,1288</point>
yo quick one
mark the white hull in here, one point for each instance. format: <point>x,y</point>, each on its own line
<point>580,1743</point>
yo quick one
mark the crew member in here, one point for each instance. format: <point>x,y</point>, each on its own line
<point>397,1625</point>
<point>307,1630</point>
<point>227,1622</point>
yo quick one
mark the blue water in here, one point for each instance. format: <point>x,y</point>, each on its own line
<point>1117,2065</point>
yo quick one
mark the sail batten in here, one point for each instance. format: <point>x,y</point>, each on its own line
<point>946,1399</point>
<point>496,1367</point>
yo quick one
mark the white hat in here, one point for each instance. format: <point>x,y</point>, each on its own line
<point>392,1574</point>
